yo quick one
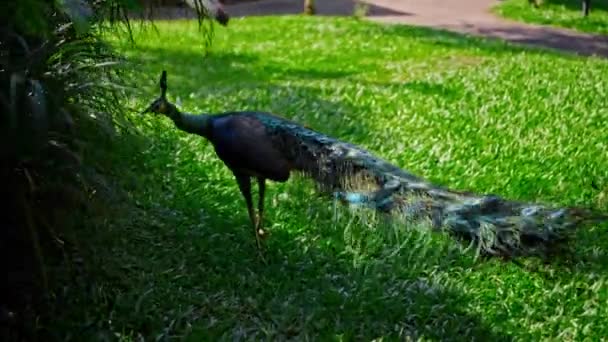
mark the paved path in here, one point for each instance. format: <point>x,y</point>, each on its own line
<point>463,16</point>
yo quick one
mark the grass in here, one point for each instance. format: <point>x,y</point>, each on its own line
<point>176,257</point>
<point>562,13</point>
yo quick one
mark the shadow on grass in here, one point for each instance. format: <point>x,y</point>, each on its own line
<point>549,38</point>
<point>585,256</point>
<point>422,87</point>
<point>577,5</point>
<point>184,264</point>
<point>566,14</point>
<point>180,260</point>
<point>503,39</point>
<point>277,8</point>
<point>189,268</point>
<point>237,77</point>
<point>224,67</point>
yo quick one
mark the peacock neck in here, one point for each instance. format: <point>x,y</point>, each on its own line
<point>191,123</point>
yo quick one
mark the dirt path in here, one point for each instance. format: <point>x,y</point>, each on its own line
<point>463,16</point>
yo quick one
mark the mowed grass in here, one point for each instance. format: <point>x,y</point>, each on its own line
<point>562,13</point>
<point>177,258</point>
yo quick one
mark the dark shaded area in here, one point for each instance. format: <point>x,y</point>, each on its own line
<point>378,302</point>
<point>277,7</point>
<point>21,275</point>
<point>423,87</point>
<point>283,7</point>
<point>232,72</point>
<point>53,75</point>
<point>585,259</point>
<point>578,4</point>
<point>215,67</point>
<point>549,38</point>
<point>494,41</point>
<point>525,39</point>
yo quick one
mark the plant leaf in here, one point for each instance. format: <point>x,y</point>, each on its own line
<point>79,12</point>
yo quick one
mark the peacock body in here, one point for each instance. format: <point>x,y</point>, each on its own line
<point>267,146</point>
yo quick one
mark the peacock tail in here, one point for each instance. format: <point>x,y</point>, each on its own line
<point>356,177</point>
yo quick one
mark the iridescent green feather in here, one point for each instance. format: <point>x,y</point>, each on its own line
<point>499,226</point>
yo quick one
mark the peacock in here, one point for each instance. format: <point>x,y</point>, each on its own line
<point>266,146</point>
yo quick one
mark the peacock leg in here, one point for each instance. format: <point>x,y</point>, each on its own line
<point>262,188</point>
<point>244,183</point>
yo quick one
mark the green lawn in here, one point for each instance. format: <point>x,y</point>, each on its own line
<point>562,13</point>
<point>178,259</point>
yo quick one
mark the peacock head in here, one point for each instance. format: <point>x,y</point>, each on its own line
<point>161,105</point>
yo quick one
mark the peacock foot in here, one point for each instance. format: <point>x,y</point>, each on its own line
<point>263,234</point>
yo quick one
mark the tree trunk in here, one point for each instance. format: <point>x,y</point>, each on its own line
<point>309,7</point>
<point>586,7</point>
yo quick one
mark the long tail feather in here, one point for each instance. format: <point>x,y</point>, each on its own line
<point>499,226</point>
